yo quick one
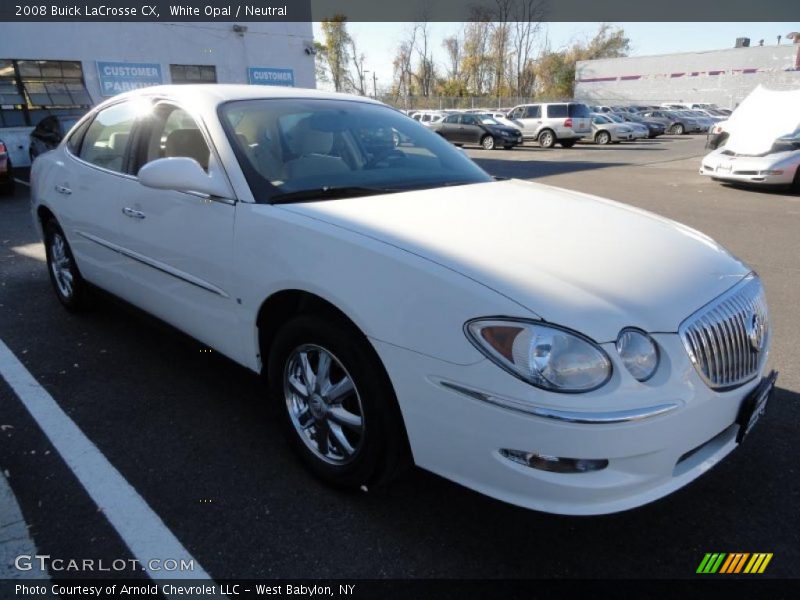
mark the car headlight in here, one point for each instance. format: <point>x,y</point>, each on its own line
<point>638,352</point>
<point>545,356</point>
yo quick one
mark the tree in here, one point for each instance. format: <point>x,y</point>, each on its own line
<point>556,70</point>
<point>333,54</point>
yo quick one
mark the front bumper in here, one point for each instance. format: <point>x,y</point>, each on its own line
<point>750,170</point>
<point>460,436</point>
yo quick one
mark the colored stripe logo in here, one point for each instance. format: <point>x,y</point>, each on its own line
<point>734,562</point>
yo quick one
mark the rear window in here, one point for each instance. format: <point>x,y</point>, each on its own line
<point>557,110</point>
<point>579,111</point>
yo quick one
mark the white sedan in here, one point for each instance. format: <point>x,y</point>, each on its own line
<point>778,167</point>
<point>545,347</point>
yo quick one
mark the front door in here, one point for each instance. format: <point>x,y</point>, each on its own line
<point>181,243</point>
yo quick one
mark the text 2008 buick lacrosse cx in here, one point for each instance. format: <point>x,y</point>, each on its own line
<point>552,349</point>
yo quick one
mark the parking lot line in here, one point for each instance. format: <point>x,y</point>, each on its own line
<point>141,529</point>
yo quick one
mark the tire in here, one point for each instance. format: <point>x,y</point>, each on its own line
<point>7,187</point>
<point>602,138</point>
<point>547,139</point>
<point>677,129</point>
<point>70,288</point>
<point>374,445</point>
<point>567,143</point>
<point>796,181</point>
<point>487,142</point>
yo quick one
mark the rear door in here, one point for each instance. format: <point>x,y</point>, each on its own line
<point>91,181</point>
<point>449,127</point>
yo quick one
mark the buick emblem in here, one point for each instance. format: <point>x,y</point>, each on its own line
<point>755,332</point>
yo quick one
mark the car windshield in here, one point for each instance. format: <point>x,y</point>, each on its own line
<point>615,118</point>
<point>288,147</point>
<point>600,119</point>
<point>488,121</point>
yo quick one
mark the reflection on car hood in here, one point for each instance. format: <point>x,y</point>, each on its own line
<point>583,262</point>
<point>761,118</point>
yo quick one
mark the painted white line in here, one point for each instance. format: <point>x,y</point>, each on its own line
<point>140,528</point>
<point>22,182</point>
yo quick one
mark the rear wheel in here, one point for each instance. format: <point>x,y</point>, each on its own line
<point>487,142</point>
<point>337,404</point>
<point>677,129</point>
<point>602,138</point>
<point>71,290</point>
<point>547,139</point>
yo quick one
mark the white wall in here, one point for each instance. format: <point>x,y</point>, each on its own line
<point>265,44</point>
<point>723,77</point>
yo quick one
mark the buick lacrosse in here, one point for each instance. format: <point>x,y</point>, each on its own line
<point>548,348</point>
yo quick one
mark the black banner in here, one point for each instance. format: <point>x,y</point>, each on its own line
<point>407,11</point>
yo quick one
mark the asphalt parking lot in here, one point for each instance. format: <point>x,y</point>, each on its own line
<point>193,435</point>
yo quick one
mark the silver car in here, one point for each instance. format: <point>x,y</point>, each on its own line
<point>553,122</point>
<point>607,131</point>
<point>675,123</point>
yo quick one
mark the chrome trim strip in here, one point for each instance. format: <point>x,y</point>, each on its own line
<point>159,266</point>
<point>569,416</point>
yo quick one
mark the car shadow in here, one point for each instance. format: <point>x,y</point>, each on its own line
<point>522,169</point>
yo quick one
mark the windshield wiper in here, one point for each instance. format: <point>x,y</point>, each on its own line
<point>329,193</point>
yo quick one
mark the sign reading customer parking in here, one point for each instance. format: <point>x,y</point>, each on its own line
<point>270,76</point>
<point>118,77</point>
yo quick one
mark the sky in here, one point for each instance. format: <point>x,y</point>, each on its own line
<point>378,41</point>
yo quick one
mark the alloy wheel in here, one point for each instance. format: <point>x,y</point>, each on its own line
<point>323,404</point>
<point>61,265</point>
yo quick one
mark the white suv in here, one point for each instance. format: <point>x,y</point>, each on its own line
<point>550,123</point>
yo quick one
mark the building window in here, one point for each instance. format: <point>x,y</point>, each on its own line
<point>54,84</point>
<point>33,89</point>
<point>193,73</point>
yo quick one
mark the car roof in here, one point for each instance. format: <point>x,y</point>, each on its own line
<point>213,94</point>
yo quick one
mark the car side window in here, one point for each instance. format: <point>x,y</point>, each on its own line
<point>451,119</point>
<point>175,133</point>
<point>534,112</point>
<point>74,141</point>
<point>469,120</point>
<point>107,137</point>
<point>557,110</point>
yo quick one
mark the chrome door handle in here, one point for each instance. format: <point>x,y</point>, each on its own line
<point>61,189</point>
<point>133,214</point>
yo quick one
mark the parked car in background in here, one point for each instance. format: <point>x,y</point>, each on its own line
<point>654,128</point>
<point>534,344</point>
<point>702,120</point>
<point>49,132</point>
<point>550,123</point>
<point>502,118</point>
<point>7,182</point>
<point>778,167</point>
<point>476,129</point>
<point>428,118</point>
<point>639,130</point>
<point>606,131</point>
<point>675,124</point>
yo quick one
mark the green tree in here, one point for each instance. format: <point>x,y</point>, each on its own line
<point>333,53</point>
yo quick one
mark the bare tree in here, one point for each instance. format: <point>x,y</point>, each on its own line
<point>358,65</point>
<point>526,24</point>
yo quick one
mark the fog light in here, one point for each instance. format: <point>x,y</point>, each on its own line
<point>554,464</point>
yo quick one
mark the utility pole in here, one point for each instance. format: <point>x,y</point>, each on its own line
<point>374,86</point>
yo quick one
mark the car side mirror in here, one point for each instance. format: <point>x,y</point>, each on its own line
<point>180,174</point>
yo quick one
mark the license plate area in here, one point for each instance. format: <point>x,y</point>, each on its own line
<point>754,406</point>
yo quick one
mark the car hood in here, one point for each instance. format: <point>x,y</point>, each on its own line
<point>761,118</point>
<point>583,262</point>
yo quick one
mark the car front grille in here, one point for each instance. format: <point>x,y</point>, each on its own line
<point>728,339</point>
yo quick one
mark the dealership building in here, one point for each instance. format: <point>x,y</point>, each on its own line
<point>65,68</point>
<point>721,77</point>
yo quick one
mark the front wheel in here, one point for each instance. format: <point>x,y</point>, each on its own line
<point>71,290</point>
<point>677,129</point>
<point>602,138</point>
<point>337,404</point>
<point>487,142</point>
<point>547,139</point>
